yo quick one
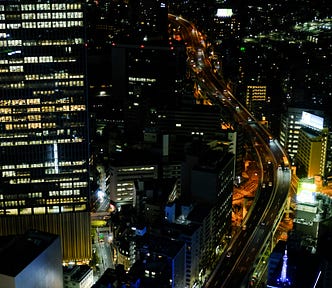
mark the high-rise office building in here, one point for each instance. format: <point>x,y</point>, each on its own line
<point>44,181</point>
<point>290,125</point>
<point>257,100</point>
<point>311,154</point>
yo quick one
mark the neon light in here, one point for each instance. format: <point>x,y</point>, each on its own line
<point>283,276</point>
<point>317,279</point>
<point>312,120</point>
<point>56,158</point>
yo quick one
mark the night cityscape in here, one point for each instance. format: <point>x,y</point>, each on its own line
<point>165,144</point>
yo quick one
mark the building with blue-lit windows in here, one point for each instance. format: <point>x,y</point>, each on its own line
<point>43,122</point>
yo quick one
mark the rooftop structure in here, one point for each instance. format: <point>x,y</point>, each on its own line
<point>31,260</point>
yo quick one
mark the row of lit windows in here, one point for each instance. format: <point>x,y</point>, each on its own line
<point>29,126</point>
<point>133,169</point>
<point>48,201</point>
<point>19,43</point>
<point>49,15</point>
<point>69,83</point>
<point>56,84</point>
<point>39,142</point>
<point>75,184</point>
<point>64,200</point>
<point>32,60</point>
<point>32,101</point>
<point>28,180</point>
<point>43,6</point>
<point>41,165</point>
<point>51,76</point>
<point>54,42</point>
<point>42,25</point>
<point>15,68</point>
<point>20,181</point>
<point>64,193</point>
<point>4,112</point>
<point>33,117</point>
<point>140,79</point>
<point>13,42</point>
<point>42,210</point>
<point>35,195</point>
<point>12,203</point>
<point>51,171</point>
<point>48,6</point>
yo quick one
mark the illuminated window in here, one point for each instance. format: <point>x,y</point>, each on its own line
<point>59,15</point>
<point>26,16</point>
<point>74,23</point>
<point>31,59</point>
<point>43,6</point>
<point>34,117</point>
<point>16,68</point>
<point>44,15</point>
<point>76,6</point>
<point>45,59</point>
<point>15,42</point>
<point>34,125</point>
<point>59,6</point>
<point>27,7</point>
<point>48,108</point>
<point>45,24</point>
<point>5,118</point>
<point>9,127</point>
<point>5,110</point>
<point>29,25</point>
<point>74,15</point>
<point>14,26</point>
<point>59,24</point>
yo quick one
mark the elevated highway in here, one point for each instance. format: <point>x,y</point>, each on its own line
<point>237,264</point>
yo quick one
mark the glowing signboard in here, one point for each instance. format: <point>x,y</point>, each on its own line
<point>306,197</point>
<point>222,12</point>
<point>312,120</point>
<point>306,193</point>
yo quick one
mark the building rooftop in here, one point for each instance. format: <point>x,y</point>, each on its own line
<point>18,251</point>
<point>77,273</point>
<point>161,245</point>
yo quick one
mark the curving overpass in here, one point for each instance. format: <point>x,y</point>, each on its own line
<point>237,264</point>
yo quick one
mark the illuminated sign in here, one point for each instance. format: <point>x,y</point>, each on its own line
<point>312,120</point>
<point>306,193</point>
<point>224,12</point>
<point>306,196</point>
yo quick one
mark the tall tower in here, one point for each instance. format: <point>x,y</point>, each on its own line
<point>283,280</point>
<point>44,181</point>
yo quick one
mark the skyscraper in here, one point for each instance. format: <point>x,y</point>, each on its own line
<point>44,181</point>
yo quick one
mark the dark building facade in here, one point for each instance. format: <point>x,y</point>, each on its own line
<point>44,136</point>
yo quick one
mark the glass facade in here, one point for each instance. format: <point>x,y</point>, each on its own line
<point>43,110</point>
